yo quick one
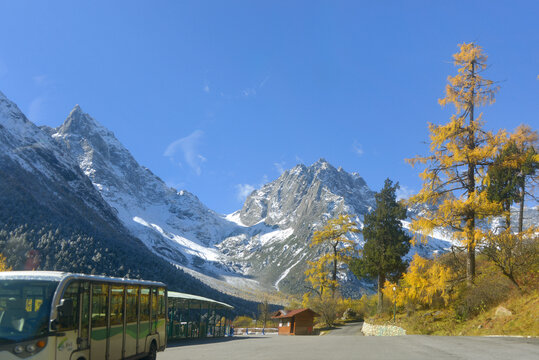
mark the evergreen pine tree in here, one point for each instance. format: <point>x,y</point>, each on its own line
<point>386,242</point>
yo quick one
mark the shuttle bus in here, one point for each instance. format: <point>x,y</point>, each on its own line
<point>64,316</point>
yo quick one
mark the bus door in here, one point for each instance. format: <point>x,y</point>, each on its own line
<point>99,321</point>
<point>67,339</point>
<point>131,315</point>
<point>116,332</point>
<point>144,320</point>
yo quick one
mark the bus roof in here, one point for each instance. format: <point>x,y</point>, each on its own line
<point>59,276</point>
<point>179,295</point>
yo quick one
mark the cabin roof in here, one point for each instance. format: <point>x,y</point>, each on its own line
<point>282,314</point>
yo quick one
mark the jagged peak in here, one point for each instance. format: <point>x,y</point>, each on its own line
<point>81,123</point>
<point>321,162</point>
<point>76,111</point>
<point>322,165</point>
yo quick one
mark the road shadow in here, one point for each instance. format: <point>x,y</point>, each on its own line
<point>190,342</point>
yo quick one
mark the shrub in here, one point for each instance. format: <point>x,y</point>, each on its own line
<point>487,292</point>
<point>243,321</point>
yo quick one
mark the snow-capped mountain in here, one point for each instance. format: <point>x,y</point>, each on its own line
<point>298,203</point>
<point>173,224</point>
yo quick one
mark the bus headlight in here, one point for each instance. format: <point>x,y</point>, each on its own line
<point>18,349</point>
<point>31,348</point>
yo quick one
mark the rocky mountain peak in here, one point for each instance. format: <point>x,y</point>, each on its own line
<point>304,193</point>
<point>10,114</point>
<point>80,123</point>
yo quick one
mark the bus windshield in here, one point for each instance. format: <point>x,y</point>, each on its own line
<point>25,309</point>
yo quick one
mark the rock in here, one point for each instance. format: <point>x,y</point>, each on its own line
<point>349,314</point>
<point>382,330</point>
<point>502,312</point>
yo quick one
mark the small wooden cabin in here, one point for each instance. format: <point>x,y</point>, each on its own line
<point>295,322</point>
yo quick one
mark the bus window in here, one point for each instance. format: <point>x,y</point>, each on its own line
<point>131,313</point>
<point>99,305</point>
<point>25,308</point>
<point>117,305</point>
<point>71,292</point>
<point>162,309</point>
<point>132,299</point>
<point>144,328</point>
<point>155,309</point>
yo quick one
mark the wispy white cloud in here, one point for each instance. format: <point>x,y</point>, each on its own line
<point>35,110</point>
<point>299,160</point>
<point>279,166</point>
<point>358,148</point>
<point>188,147</point>
<point>249,92</point>
<point>243,190</point>
<point>404,192</point>
<point>206,88</point>
<point>263,82</point>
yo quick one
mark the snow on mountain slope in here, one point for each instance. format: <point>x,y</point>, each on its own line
<point>36,152</point>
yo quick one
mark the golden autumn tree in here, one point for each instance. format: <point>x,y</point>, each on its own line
<point>454,177</point>
<point>3,264</point>
<point>337,249</point>
<point>424,281</point>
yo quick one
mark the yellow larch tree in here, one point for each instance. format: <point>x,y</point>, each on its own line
<point>322,274</point>
<point>3,264</point>
<point>422,283</point>
<point>454,177</point>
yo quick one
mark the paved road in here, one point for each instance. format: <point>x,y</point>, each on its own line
<point>348,329</point>
<point>355,347</point>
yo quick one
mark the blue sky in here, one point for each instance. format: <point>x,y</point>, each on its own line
<point>218,97</point>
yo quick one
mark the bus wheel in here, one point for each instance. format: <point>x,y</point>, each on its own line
<point>152,355</point>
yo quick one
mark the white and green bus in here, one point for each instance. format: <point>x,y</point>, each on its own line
<point>64,316</point>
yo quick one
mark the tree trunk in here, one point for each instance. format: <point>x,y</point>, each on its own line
<point>470,265</point>
<point>513,280</point>
<point>521,210</point>
<point>334,277</point>
<point>381,281</point>
<point>470,216</point>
